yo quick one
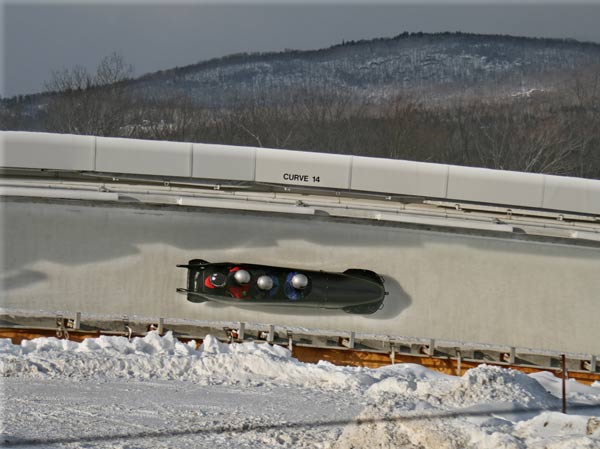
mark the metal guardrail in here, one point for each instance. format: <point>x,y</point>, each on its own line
<point>419,213</point>
<point>340,348</point>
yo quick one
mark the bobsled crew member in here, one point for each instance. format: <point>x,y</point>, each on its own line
<point>215,280</point>
<point>294,286</point>
<point>239,282</point>
<point>267,284</point>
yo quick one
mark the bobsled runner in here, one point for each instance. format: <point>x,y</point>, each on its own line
<point>353,291</point>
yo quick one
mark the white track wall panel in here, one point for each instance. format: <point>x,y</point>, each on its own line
<point>495,186</point>
<point>45,150</point>
<point>574,194</point>
<point>284,167</point>
<point>305,169</point>
<point>401,177</point>
<point>223,162</point>
<point>144,157</point>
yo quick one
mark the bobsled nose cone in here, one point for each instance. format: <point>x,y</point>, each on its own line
<point>361,291</point>
<point>373,290</point>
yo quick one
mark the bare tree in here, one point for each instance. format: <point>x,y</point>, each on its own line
<point>112,69</point>
<point>81,103</point>
<point>67,80</point>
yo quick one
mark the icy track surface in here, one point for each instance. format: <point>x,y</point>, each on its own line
<point>155,392</point>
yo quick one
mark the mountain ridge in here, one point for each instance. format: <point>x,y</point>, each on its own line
<point>240,56</point>
<point>430,65</point>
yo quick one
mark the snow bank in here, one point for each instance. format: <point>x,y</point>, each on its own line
<point>576,391</point>
<point>156,357</point>
<point>556,430</point>
<point>487,408</point>
<point>406,405</point>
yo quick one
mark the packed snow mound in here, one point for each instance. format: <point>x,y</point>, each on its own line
<point>392,426</point>
<point>212,345</point>
<point>561,432</point>
<point>557,424</point>
<point>494,384</point>
<point>411,372</point>
<point>489,384</point>
<point>164,357</point>
<point>487,408</point>
<point>406,385</point>
<point>577,391</point>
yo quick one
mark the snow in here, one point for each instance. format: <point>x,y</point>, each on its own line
<point>157,392</point>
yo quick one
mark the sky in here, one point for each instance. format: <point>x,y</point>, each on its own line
<point>42,36</point>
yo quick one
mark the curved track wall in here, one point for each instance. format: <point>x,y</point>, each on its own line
<point>100,258</point>
<point>186,160</point>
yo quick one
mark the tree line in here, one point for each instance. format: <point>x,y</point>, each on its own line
<point>554,132</point>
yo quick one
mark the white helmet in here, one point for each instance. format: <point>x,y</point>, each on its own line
<point>242,276</point>
<point>299,281</point>
<point>264,282</point>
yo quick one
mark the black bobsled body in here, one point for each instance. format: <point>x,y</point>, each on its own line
<point>353,291</point>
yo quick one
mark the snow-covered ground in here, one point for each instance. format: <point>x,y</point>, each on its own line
<point>155,392</point>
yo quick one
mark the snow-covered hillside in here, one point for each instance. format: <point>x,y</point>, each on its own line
<point>430,65</point>
<point>155,392</point>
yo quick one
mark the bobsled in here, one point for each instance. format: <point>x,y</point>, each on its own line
<point>355,290</point>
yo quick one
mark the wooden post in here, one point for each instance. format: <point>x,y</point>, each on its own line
<point>563,362</point>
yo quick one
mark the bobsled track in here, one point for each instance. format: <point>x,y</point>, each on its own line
<point>98,225</point>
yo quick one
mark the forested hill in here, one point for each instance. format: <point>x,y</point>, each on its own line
<point>433,65</point>
<point>487,101</point>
